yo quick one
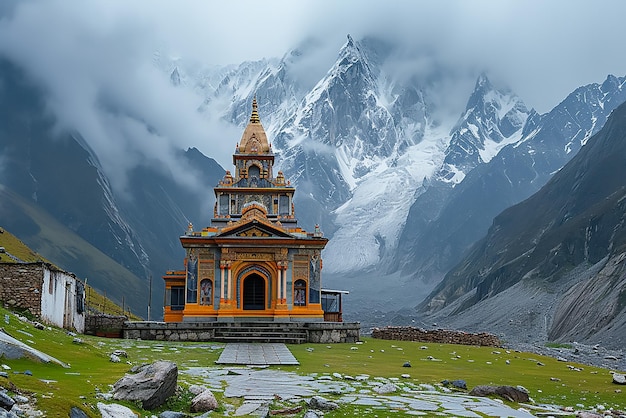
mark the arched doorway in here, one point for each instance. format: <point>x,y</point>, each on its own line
<point>254,292</point>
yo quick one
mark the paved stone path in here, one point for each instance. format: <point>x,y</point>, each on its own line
<point>256,354</point>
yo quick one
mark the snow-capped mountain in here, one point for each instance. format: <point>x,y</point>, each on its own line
<point>375,168</point>
<point>444,222</point>
<point>493,119</point>
<point>397,188</point>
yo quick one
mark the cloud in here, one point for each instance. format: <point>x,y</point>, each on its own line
<point>96,58</point>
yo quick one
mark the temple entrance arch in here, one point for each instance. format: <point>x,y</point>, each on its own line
<point>253,292</point>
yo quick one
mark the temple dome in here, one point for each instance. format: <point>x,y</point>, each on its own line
<point>254,139</point>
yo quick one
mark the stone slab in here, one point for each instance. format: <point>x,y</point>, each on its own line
<point>257,354</point>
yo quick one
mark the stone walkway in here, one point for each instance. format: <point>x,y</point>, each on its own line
<point>257,354</point>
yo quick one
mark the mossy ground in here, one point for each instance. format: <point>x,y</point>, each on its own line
<point>91,372</point>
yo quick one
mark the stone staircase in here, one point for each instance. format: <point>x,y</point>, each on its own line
<point>262,332</point>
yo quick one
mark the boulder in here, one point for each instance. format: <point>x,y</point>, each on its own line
<point>6,401</point>
<point>204,402</point>
<point>509,393</point>
<point>619,378</point>
<point>385,388</point>
<point>321,403</point>
<point>456,384</point>
<point>173,414</point>
<point>114,410</point>
<point>197,389</point>
<point>77,413</point>
<point>151,385</point>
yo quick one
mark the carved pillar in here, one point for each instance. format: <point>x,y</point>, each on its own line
<point>230,283</point>
<point>281,290</point>
<point>279,282</point>
<point>285,283</point>
<point>222,266</point>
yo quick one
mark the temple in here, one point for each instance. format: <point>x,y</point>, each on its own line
<point>253,262</point>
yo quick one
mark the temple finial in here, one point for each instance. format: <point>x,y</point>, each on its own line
<point>254,118</point>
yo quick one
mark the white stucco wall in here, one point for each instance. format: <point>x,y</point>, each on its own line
<point>58,301</point>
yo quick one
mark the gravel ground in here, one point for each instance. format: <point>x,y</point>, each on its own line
<point>595,355</point>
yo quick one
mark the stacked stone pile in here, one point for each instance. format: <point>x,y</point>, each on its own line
<point>436,336</point>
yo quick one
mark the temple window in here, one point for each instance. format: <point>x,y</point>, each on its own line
<point>206,292</point>
<point>177,298</point>
<point>223,206</point>
<point>299,293</point>
<point>283,205</point>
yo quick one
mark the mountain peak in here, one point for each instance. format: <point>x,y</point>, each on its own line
<point>175,77</point>
<point>483,81</point>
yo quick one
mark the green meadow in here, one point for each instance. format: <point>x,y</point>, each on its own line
<point>90,372</point>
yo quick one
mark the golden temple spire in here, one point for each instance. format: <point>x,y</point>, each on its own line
<point>254,118</point>
<point>254,139</point>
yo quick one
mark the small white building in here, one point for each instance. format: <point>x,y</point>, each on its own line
<point>55,296</point>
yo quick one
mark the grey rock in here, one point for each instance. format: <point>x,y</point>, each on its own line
<point>138,368</point>
<point>120,353</point>
<point>204,402</point>
<point>19,412</point>
<point>173,414</point>
<point>385,388</point>
<point>6,401</point>
<point>114,359</point>
<point>407,364</point>
<point>323,404</point>
<point>114,410</point>
<point>619,379</point>
<point>197,389</point>
<point>311,414</point>
<point>20,399</point>
<point>28,373</point>
<point>457,384</point>
<point>77,413</point>
<point>151,386</point>
<point>509,393</point>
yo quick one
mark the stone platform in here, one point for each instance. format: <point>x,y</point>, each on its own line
<point>257,354</point>
<point>267,332</point>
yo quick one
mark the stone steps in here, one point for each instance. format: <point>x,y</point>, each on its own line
<point>290,333</point>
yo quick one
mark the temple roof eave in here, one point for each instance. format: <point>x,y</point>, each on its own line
<point>235,241</point>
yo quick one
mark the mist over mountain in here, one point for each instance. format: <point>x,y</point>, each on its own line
<point>401,189</point>
<point>57,174</point>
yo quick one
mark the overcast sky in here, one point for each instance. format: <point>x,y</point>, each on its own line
<point>87,53</point>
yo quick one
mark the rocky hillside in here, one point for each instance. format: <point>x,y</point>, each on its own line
<point>553,265</point>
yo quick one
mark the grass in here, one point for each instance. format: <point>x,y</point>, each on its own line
<point>17,248</point>
<point>91,372</point>
<point>475,365</point>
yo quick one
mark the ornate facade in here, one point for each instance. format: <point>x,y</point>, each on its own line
<point>253,261</point>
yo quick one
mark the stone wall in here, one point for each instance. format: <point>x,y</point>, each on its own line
<point>436,336</point>
<point>52,295</point>
<point>340,332</point>
<point>172,331</point>
<point>20,286</point>
<point>105,325</point>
